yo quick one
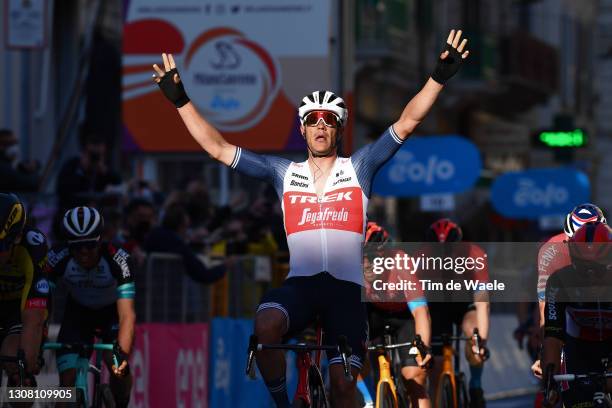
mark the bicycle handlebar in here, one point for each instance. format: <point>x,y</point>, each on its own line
<point>574,377</point>
<point>343,348</point>
<point>85,347</point>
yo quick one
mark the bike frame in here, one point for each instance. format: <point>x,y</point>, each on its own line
<point>448,356</point>
<point>83,367</point>
<point>304,362</point>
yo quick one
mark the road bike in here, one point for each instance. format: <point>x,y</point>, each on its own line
<point>310,390</point>
<point>102,394</point>
<point>390,389</point>
<point>451,391</point>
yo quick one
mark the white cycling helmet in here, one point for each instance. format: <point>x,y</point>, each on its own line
<point>82,224</point>
<point>323,100</point>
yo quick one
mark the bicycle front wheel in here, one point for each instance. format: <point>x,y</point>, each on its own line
<point>463,399</point>
<point>105,398</point>
<point>80,398</point>
<point>385,397</point>
<point>318,399</point>
<point>445,394</point>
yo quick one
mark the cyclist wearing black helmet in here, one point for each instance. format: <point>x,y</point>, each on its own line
<point>24,288</point>
<point>100,282</point>
<point>465,315</point>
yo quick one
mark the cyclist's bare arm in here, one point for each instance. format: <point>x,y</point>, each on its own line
<point>206,135</point>
<point>200,129</point>
<point>127,321</point>
<point>418,107</point>
<point>422,323</point>
<point>551,353</point>
<point>31,336</point>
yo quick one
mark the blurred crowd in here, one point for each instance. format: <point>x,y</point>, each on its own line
<point>141,218</point>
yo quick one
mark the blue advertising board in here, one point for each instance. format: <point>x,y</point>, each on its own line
<point>229,386</point>
<point>539,192</point>
<point>430,165</point>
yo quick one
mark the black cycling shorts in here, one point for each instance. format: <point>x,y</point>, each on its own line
<point>444,316</point>
<point>10,318</point>
<point>81,324</point>
<point>402,328</point>
<point>582,357</point>
<point>336,302</point>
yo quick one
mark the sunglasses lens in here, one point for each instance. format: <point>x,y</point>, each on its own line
<point>329,118</point>
<point>83,245</point>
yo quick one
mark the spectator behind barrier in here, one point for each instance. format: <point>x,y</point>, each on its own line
<point>83,176</point>
<point>15,177</point>
<point>171,237</point>
<point>140,217</point>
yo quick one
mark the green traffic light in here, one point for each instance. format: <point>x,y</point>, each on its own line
<point>575,138</point>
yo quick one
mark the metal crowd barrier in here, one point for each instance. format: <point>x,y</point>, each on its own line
<point>166,294</point>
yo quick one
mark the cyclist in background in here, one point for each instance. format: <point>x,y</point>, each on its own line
<point>554,255</point>
<point>324,203</point>
<point>578,311</point>
<point>465,315</point>
<point>407,316</point>
<point>24,289</point>
<point>100,303</point>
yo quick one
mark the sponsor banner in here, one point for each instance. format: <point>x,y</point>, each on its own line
<point>230,387</point>
<point>246,81</point>
<point>535,193</point>
<point>403,272</point>
<point>170,365</point>
<point>430,165</point>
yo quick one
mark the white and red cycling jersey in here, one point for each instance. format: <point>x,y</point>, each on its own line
<point>324,233</point>
<point>552,256</point>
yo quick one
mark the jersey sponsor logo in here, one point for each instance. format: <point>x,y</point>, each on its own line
<point>53,258</point>
<point>14,217</point>
<point>42,286</point>
<point>339,209</point>
<point>328,198</point>
<point>121,257</point>
<point>35,238</point>
<point>327,215</point>
<point>36,303</point>
<point>299,176</point>
<point>551,299</point>
<point>342,180</point>
<point>298,184</point>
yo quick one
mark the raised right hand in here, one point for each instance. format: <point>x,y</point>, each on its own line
<point>170,82</point>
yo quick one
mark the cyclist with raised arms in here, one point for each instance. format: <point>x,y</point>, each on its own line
<point>578,312</point>
<point>465,315</point>
<point>100,281</point>
<point>324,201</point>
<point>405,312</point>
<point>24,289</point>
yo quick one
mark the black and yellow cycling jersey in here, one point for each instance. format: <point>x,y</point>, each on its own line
<point>23,283</point>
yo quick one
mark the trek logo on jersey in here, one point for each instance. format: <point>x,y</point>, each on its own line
<point>341,209</point>
<point>328,198</point>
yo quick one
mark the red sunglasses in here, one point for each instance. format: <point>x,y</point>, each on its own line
<point>330,119</point>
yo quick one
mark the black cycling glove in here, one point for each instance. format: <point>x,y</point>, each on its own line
<point>447,67</point>
<point>173,91</point>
